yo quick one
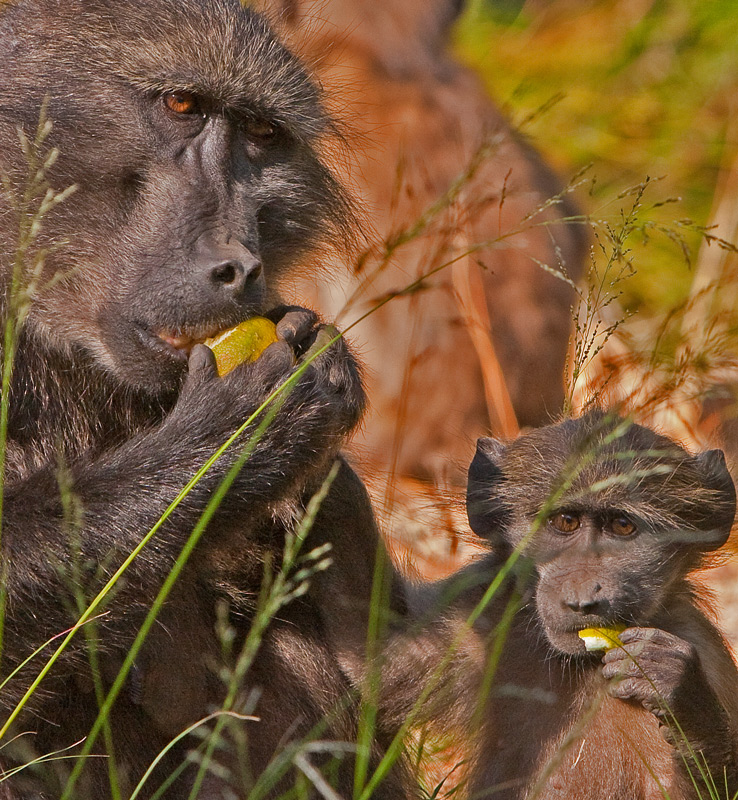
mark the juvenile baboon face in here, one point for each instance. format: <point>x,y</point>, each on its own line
<point>192,139</point>
<point>597,566</point>
<point>609,513</point>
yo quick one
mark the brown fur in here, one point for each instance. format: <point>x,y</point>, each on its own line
<point>416,118</point>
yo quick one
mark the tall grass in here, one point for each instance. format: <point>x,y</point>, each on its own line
<point>290,578</point>
<point>20,288</point>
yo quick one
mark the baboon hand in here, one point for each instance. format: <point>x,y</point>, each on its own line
<point>652,667</point>
<point>215,406</point>
<point>664,674</point>
<point>316,408</point>
<point>335,370</point>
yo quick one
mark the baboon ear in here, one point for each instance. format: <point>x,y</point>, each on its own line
<point>722,506</point>
<point>484,506</point>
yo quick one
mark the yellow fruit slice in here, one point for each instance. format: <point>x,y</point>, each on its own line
<point>601,638</point>
<point>246,342</point>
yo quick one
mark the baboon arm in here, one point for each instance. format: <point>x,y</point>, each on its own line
<point>709,717</point>
<point>55,538</point>
<point>678,677</point>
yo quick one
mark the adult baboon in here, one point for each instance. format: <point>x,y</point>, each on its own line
<point>416,120</point>
<point>193,140</point>
<point>611,519</point>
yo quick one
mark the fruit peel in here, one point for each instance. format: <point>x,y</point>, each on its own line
<point>244,342</point>
<point>601,638</point>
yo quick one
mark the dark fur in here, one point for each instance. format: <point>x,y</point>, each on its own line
<point>180,225</point>
<point>557,723</point>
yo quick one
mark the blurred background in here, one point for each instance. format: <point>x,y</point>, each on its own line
<point>549,191</point>
<point>640,88</point>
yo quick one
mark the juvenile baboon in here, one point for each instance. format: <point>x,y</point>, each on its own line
<point>193,140</point>
<point>611,519</point>
<point>416,118</point>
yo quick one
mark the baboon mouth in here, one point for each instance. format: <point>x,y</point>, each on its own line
<point>173,345</point>
<point>180,342</point>
<point>565,638</point>
<point>184,342</point>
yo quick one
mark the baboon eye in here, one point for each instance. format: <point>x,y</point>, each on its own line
<point>259,129</point>
<point>564,521</point>
<point>622,526</point>
<point>182,102</point>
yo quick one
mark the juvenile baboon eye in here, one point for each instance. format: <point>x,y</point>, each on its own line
<point>564,521</point>
<point>622,526</point>
<point>259,129</point>
<point>182,102</point>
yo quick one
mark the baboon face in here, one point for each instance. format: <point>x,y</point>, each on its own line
<point>608,513</point>
<point>192,140</point>
<point>597,566</point>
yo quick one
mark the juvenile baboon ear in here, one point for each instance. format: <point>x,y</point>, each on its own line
<point>484,506</point>
<point>721,512</point>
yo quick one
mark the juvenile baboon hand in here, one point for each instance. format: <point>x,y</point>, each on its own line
<point>652,667</point>
<point>335,371</point>
<point>664,674</point>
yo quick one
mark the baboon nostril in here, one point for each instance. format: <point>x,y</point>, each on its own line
<point>584,606</point>
<point>235,275</point>
<point>226,273</point>
<point>253,273</point>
